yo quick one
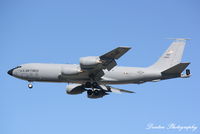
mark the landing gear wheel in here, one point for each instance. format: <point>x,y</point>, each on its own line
<point>30,86</point>
<point>89,92</point>
<point>96,92</point>
<point>95,85</point>
<point>91,85</point>
<point>88,85</point>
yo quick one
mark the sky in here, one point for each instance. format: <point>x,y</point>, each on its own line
<point>62,31</point>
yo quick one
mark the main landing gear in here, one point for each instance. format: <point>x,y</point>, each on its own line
<point>94,91</point>
<point>91,85</point>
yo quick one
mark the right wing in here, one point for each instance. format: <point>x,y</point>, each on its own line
<point>94,66</point>
<point>108,59</point>
<point>116,53</point>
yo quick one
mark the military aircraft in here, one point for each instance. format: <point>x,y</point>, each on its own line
<point>94,74</point>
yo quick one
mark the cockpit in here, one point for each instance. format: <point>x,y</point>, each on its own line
<point>10,72</point>
<point>17,67</point>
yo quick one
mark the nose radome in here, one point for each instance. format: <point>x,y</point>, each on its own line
<point>10,72</point>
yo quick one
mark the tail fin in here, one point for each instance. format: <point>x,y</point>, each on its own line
<point>172,56</point>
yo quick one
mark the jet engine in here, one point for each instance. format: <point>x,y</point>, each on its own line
<point>75,89</point>
<point>89,62</point>
<point>94,94</point>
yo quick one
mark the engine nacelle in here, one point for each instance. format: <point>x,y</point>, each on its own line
<point>89,62</point>
<point>75,89</point>
<point>95,94</point>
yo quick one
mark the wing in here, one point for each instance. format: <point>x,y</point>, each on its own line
<point>109,58</point>
<point>94,66</point>
<point>114,90</point>
<point>116,53</point>
<point>117,90</point>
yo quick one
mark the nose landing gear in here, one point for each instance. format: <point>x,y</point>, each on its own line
<point>30,86</point>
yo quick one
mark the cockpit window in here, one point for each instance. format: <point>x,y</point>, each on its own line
<point>17,67</point>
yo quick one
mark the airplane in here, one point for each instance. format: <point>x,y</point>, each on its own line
<point>94,74</point>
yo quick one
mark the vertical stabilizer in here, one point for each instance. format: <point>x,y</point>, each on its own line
<point>172,56</point>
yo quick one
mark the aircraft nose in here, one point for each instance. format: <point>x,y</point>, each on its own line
<point>10,72</point>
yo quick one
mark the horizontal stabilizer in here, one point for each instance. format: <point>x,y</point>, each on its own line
<point>177,69</point>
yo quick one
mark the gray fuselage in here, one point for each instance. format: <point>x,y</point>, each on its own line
<point>67,73</point>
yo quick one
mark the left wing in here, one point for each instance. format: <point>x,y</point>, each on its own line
<point>94,65</point>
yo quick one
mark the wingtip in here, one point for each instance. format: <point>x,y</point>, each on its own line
<point>125,47</point>
<point>179,39</point>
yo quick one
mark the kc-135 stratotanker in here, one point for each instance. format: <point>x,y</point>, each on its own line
<point>95,74</point>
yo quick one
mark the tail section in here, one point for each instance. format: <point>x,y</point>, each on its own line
<point>172,56</point>
<point>177,69</point>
